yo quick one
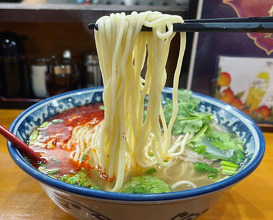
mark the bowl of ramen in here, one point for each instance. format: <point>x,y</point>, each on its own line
<point>213,147</point>
<point>134,149</point>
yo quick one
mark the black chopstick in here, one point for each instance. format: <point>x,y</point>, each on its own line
<point>220,20</point>
<point>250,24</point>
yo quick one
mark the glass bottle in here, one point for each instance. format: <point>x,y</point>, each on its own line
<point>259,86</point>
<point>62,77</point>
<point>92,75</point>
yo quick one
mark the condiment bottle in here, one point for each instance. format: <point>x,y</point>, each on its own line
<point>92,75</point>
<point>62,77</point>
<point>38,77</point>
<point>259,86</point>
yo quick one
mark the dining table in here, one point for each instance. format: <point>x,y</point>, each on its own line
<point>21,196</point>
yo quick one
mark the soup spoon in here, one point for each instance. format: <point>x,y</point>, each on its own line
<point>21,146</point>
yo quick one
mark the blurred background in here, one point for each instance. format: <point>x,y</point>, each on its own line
<point>46,47</point>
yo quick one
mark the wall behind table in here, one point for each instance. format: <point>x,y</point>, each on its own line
<point>47,39</point>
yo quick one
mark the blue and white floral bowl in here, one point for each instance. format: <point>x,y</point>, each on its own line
<point>85,203</point>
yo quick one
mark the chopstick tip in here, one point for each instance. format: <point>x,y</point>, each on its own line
<point>92,26</point>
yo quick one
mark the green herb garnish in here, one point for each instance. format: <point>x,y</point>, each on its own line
<point>188,119</point>
<point>146,184</point>
<point>80,179</point>
<point>204,168</point>
<point>56,121</point>
<point>150,171</point>
<point>225,141</point>
<point>34,135</point>
<point>84,157</point>
<point>228,168</point>
<point>44,124</point>
<point>55,160</point>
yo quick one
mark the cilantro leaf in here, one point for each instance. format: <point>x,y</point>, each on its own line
<point>146,184</point>
<point>237,157</point>
<point>202,150</point>
<point>220,145</point>
<point>188,119</point>
<point>225,141</point>
<point>209,143</point>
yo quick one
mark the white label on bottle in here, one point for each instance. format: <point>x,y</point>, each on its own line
<point>260,83</point>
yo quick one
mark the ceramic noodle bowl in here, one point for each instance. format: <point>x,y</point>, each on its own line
<point>84,203</point>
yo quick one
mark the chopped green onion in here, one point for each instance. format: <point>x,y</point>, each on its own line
<point>95,187</point>
<point>226,163</point>
<point>150,171</point>
<point>34,135</point>
<point>44,124</point>
<point>101,107</point>
<point>228,168</point>
<point>203,168</point>
<point>56,121</point>
<point>64,177</point>
<point>83,158</point>
<point>52,172</point>
<point>34,142</point>
<point>55,160</point>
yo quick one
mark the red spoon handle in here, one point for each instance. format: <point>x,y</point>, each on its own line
<point>20,145</point>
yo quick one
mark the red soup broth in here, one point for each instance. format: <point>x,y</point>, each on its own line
<point>52,138</point>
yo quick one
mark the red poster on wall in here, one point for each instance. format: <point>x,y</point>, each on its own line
<point>255,8</point>
<point>246,59</point>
